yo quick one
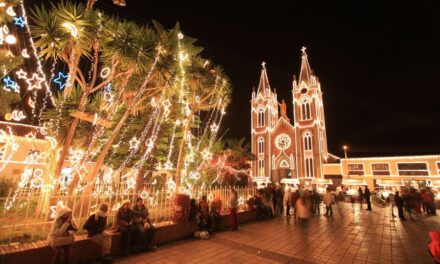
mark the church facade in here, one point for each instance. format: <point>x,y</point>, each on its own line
<point>285,148</point>
<point>297,149</point>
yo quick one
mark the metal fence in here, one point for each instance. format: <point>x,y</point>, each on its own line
<point>27,216</point>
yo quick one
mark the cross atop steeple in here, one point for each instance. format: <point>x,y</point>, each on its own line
<point>264,85</point>
<point>306,71</point>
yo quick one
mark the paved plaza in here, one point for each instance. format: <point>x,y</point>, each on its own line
<point>351,236</point>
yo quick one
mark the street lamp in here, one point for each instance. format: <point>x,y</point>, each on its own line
<point>345,147</point>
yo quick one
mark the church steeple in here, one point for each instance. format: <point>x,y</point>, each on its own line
<point>305,72</point>
<point>263,86</point>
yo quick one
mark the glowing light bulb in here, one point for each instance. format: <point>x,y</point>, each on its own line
<point>71,28</point>
<point>10,39</point>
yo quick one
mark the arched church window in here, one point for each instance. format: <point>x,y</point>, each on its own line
<point>305,111</point>
<point>260,117</point>
<point>307,140</point>
<point>260,145</point>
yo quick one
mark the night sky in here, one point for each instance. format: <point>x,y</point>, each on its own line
<point>378,65</point>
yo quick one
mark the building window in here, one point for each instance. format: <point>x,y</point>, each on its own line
<point>356,169</point>
<point>380,169</point>
<point>260,145</point>
<point>261,117</point>
<point>413,169</point>
<point>260,167</point>
<point>309,167</point>
<point>307,141</point>
<point>305,111</point>
<point>438,167</point>
<point>2,150</point>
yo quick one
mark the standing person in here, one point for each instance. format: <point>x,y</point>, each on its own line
<point>61,235</point>
<point>124,224</point>
<point>316,199</point>
<point>328,201</point>
<point>303,205</point>
<point>273,190</point>
<point>204,221</point>
<point>215,210</point>
<point>426,202</point>
<point>399,204</point>
<point>144,229</point>
<point>280,196</point>
<point>361,196</point>
<point>367,195</point>
<point>95,226</point>
<point>293,200</point>
<point>431,195</point>
<point>233,204</point>
<point>392,202</point>
<point>287,199</point>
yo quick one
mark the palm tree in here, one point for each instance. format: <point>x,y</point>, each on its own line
<point>67,32</point>
<point>204,94</point>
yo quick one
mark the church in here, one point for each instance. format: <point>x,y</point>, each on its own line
<point>297,149</point>
<point>287,148</point>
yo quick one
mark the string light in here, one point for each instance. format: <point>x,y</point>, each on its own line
<point>73,30</point>
<point>25,54</point>
<point>134,143</point>
<point>18,115</point>
<point>35,82</point>
<point>10,39</point>
<point>19,21</point>
<point>10,11</point>
<point>21,74</point>
<point>105,72</point>
<point>59,80</point>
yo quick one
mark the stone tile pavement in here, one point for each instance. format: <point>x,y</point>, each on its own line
<point>351,236</point>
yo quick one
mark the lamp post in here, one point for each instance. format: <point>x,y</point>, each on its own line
<point>345,147</point>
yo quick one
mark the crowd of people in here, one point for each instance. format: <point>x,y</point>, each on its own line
<point>273,200</point>
<point>133,223</point>
<point>137,231</point>
<point>413,202</point>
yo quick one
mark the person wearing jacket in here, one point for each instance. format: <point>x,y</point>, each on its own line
<point>143,227</point>
<point>233,204</point>
<point>61,235</point>
<point>328,201</point>
<point>95,226</point>
<point>287,199</point>
<point>367,195</point>
<point>124,224</point>
<point>399,204</point>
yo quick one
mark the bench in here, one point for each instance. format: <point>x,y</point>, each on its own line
<point>84,250</point>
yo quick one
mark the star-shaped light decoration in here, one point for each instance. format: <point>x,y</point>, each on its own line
<point>206,154</point>
<point>168,165</point>
<point>60,80</point>
<point>223,112</point>
<point>21,74</point>
<point>134,143</point>
<point>35,82</point>
<point>214,128</point>
<point>19,21</point>
<point>131,183</point>
<point>9,83</point>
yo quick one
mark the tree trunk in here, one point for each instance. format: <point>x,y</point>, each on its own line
<point>69,138</point>
<point>109,143</point>
<point>140,178</point>
<point>182,152</point>
<point>65,149</point>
